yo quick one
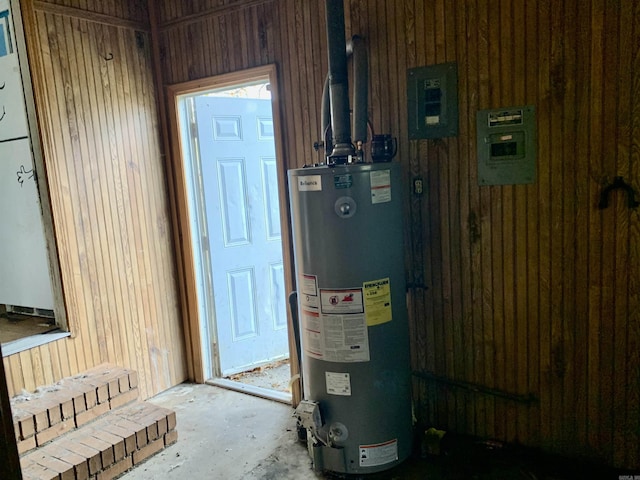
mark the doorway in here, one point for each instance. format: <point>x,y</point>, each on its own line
<point>229,156</point>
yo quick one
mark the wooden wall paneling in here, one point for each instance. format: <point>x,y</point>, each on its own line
<point>254,49</point>
<point>413,237</point>
<point>28,374</point>
<point>458,206</point>
<point>382,76</point>
<point>140,173</point>
<point>47,121</point>
<point>520,353</point>
<point>108,16</point>
<point>171,332</point>
<point>474,214</point>
<point>533,316</point>
<point>568,141</point>
<point>14,365</point>
<point>455,301</point>
<point>488,355</point>
<point>373,44</point>
<point>135,249</point>
<point>622,219</point>
<point>97,45</point>
<point>464,342</point>
<point>314,84</point>
<point>156,232</point>
<point>615,233</point>
<point>76,32</point>
<point>227,51</point>
<point>633,328</point>
<point>295,92</point>
<point>84,162</point>
<point>92,43</point>
<point>554,183</point>
<point>143,234</point>
<point>499,319</point>
<point>316,75</point>
<point>67,186</point>
<point>595,227</point>
<point>422,306</point>
<point>264,16</point>
<point>544,244</point>
<point>193,363</point>
<point>77,169</point>
<point>8,376</point>
<point>309,127</point>
<point>508,37</point>
<point>54,361</point>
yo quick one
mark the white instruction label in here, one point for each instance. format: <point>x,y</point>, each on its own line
<point>310,183</point>
<point>309,284</point>
<point>379,453</point>
<point>380,186</point>
<point>338,383</point>
<point>335,338</point>
<point>309,292</point>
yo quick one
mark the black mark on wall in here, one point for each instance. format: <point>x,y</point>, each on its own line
<point>24,174</point>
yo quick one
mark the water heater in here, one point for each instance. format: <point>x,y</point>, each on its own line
<point>349,263</point>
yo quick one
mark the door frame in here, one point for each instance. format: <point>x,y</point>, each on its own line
<point>41,142</point>
<point>187,282</point>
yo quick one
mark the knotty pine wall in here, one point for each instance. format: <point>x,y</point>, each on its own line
<point>95,98</point>
<point>529,329</point>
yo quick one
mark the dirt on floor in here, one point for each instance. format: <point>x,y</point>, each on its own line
<point>274,376</point>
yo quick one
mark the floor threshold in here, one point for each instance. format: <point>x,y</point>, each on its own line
<point>282,397</point>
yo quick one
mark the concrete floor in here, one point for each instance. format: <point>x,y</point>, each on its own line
<point>228,435</point>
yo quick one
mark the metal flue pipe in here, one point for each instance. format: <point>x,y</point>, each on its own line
<point>357,51</point>
<point>338,83</point>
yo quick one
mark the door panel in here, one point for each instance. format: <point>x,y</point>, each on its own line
<point>236,142</point>
<point>233,201</point>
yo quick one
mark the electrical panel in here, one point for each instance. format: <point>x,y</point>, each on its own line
<point>432,95</point>
<point>506,145</point>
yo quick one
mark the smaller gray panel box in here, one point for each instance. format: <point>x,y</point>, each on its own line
<point>506,145</point>
<point>432,101</point>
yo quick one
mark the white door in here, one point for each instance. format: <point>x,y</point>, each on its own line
<point>236,142</point>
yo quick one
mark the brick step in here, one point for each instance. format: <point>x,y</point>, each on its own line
<point>105,448</point>
<point>54,410</point>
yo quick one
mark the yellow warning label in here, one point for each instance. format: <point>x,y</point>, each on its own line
<point>377,301</point>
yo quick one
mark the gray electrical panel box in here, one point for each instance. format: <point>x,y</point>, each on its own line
<point>432,96</point>
<point>507,146</point>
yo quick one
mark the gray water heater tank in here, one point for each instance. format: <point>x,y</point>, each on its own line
<point>349,262</point>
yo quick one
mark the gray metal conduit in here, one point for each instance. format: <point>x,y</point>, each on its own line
<point>354,48</point>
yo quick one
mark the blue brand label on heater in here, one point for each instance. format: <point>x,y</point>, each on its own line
<point>343,181</point>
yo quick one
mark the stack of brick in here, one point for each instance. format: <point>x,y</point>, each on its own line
<point>86,427</point>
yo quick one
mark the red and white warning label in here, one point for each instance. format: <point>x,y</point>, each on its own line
<point>380,186</point>
<point>341,300</point>
<point>379,453</point>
